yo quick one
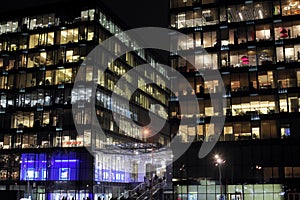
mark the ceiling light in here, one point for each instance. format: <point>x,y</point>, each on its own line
<point>292,4</point>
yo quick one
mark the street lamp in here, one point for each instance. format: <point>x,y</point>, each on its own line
<point>148,139</point>
<point>218,162</point>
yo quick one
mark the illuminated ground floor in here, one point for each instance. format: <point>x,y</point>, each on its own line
<point>75,173</point>
<point>247,170</point>
<point>65,190</point>
<point>208,190</point>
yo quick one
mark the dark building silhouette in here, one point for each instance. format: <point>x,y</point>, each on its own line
<point>254,45</point>
<point>43,154</point>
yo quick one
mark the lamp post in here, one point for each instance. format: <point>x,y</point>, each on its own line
<point>148,139</point>
<point>218,162</point>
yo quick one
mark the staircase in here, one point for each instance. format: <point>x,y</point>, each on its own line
<point>140,192</point>
<point>129,194</point>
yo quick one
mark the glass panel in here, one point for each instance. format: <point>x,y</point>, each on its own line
<point>258,196</point>
<point>248,197</point>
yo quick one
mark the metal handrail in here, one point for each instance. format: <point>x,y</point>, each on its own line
<point>147,192</point>
<point>156,188</point>
<point>128,193</point>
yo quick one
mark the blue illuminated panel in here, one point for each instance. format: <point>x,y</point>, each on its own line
<point>64,169</point>
<point>58,168</point>
<point>64,174</point>
<point>33,167</point>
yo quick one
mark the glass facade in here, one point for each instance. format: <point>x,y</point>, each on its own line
<point>44,79</point>
<point>43,167</point>
<point>40,55</point>
<point>234,192</point>
<point>255,47</point>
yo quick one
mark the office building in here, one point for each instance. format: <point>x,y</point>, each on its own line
<point>42,153</point>
<point>255,46</point>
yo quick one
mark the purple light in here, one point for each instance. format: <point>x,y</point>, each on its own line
<point>65,161</point>
<point>33,161</point>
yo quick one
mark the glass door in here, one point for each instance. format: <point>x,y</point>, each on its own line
<point>236,196</point>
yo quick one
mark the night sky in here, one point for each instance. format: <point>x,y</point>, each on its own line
<point>139,13</point>
<point>134,13</point>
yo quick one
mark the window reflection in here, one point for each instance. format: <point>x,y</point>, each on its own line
<point>248,12</point>
<point>10,26</point>
<point>263,33</point>
<point>37,40</point>
<point>69,36</point>
<point>195,18</point>
<point>209,39</point>
<point>88,15</point>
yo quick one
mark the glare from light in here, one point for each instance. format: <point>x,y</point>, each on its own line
<point>260,14</point>
<point>218,160</point>
<point>292,4</point>
<point>146,131</point>
<point>241,16</point>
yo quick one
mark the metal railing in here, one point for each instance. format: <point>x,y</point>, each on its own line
<point>132,192</point>
<point>151,192</point>
<point>142,192</point>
